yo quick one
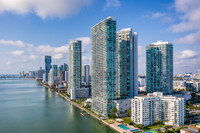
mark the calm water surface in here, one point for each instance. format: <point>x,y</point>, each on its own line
<point>27,107</point>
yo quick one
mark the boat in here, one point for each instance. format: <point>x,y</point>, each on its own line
<point>82,114</point>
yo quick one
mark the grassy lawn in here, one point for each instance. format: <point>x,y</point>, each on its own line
<point>155,126</point>
<point>110,121</point>
<point>127,120</point>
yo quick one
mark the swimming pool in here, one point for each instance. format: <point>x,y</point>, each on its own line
<point>133,130</point>
<point>124,127</point>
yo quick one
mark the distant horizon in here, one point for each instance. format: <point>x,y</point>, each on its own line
<point>138,74</point>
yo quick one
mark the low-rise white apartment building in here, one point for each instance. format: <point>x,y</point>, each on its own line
<point>122,106</point>
<point>146,110</point>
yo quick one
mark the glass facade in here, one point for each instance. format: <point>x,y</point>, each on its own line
<point>159,67</point>
<point>47,66</point>
<point>75,57</point>
<point>127,84</point>
<point>53,74</point>
<point>104,66</point>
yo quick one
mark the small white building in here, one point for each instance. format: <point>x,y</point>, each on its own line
<point>44,78</point>
<point>122,106</point>
<point>146,110</point>
<point>179,84</point>
<point>190,129</point>
<point>88,102</point>
<point>142,89</point>
<point>79,93</point>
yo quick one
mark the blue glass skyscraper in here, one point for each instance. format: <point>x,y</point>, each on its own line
<point>127,64</point>
<point>47,66</point>
<point>159,67</point>
<point>104,66</point>
<point>75,63</point>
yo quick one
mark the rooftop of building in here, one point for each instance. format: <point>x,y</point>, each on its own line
<point>160,43</point>
<point>72,41</point>
<point>193,127</point>
<point>187,130</point>
<point>126,29</point>
<point>104,20</point>
<point>155,95</point>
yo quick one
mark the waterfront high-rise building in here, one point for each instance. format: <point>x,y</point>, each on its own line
<point>23,74</point>
<point>61,68</point>
<point>47,66</point>
<point>127,64</point>
<point>86,74</point>
<point>104,66</point>
<point>31,74</point>
<point>39,73</point>
<point>75,61</point>
<point>159,67</point>
<point>146,110</point>
<point>53,75</point>
<point>67,76</point>
<point>65,67</point>
<point>62,76</point>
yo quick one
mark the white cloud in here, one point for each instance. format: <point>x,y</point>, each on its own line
<point>33,57</point>
<point>17,52</point>
<point>112,3</point>
<point>189,20</point>
<point>58,57</point>
<point>164,17</point>
<point>189,39</point>
<point>61,49</point>
<point>44,49</point>
<point>47,49</point>
<point>44,8</point>
<point>86,59</point>
<point>186,61</point>
<point>17,43</point>
<point>141,51</point>
<point>186,54</point>
<point>8,63</point>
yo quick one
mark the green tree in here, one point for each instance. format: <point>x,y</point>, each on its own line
<point>168,131</point>
<point>128,112</point>
<point>177,130</point>
<point>159,122</point>
<point>113,113</point>
<point>127,120</point>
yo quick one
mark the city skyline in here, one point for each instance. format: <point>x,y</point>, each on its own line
<point>34,34</point>
<point>131,65</point>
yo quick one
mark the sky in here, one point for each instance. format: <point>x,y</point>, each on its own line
<point>31,29</point>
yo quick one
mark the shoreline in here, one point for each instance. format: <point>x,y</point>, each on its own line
<point>82,108</point>
<point>88,112</point>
